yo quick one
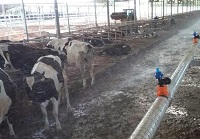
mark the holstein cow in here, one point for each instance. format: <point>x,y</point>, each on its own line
<point>116,49</point>
<point>59,44</point>
<point>150,35</point>
<point>7,99</point>
<point>94,42</point>
<point>22,57</point>
<point>46,83</point>
<point>80,54</point>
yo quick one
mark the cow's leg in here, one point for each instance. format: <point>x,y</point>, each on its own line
<point>60,96</point>
<point>43,106</point>
<point>92,73</point>
<point>66,90</point>
<point>8,58</point>
<point>82,69</point>
<point>55,113</point>
<point>12,133</point>
<point>6,61</point>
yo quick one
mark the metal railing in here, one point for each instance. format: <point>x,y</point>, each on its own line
<point>150,122</point>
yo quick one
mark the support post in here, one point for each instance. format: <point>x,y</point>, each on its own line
<point>135,15</point>
<point>114,5</point>
<point>171,8</point>
<point>108,14</point>
<point>163,9</point>
<point>57,19</point>
<point>24,17</point>
<point>177,6</point>
<point>39,16</point>
<point>151,9</point>
<point>68,24</point>
<point>95,13</point>
<point>182,6</point>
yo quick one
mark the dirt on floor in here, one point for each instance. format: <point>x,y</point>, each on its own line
<point>112,108</point>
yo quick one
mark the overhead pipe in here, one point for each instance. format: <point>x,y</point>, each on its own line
<point>150,122</point>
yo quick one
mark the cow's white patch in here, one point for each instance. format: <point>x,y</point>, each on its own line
<point>30,81</point>
<point>4,47</point>
<point>5,102</point>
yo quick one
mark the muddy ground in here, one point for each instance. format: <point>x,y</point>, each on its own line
<point>122,94</point>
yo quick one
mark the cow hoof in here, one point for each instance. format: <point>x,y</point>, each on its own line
<point>59,128</point>
<point>84,88</point>
<point>83,91</point>
<point>59,131</point>
<point>71,111</point>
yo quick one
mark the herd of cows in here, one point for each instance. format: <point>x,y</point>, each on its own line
<point>45,77</point>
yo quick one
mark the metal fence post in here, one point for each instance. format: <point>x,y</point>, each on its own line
<point>57,19</point>
<point>25,23</point>
<point>68,24</point>
<point>95,13</point>
<point>108,13</point>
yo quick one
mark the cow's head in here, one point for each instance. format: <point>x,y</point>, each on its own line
<point>34,78</point>
<point>37,86</point>
<point>89,52</point>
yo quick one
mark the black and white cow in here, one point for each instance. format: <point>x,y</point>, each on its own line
<point>46,83</point>
<point>59,44</point>
<point>7,99</point>
<point>96,42</point>
<point>116,49</point>
<point>79,54</point>
<point>22,57</point>
<point>150,35</point>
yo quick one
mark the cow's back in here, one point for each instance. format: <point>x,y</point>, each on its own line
<point>24,57</point>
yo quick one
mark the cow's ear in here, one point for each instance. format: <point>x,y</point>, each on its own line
<point>30,81</point>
